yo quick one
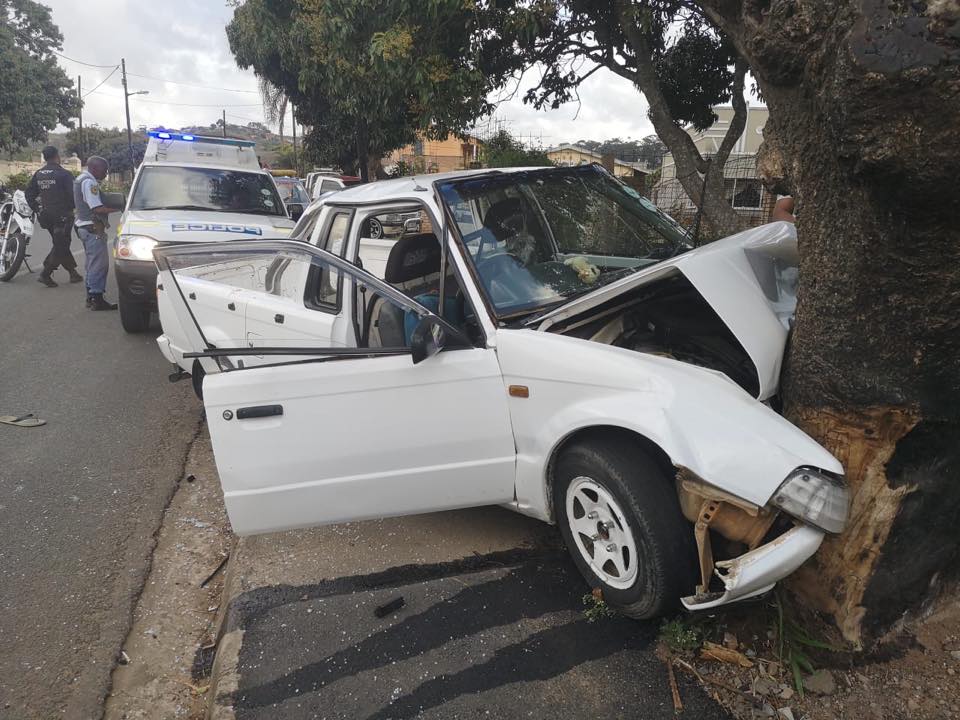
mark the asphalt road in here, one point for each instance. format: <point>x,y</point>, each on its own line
<point>80,498</point>
<point>501,635</point>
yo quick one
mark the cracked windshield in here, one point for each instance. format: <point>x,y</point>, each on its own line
<point>542,238</point>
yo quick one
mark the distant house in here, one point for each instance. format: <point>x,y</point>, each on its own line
<point>568,155</point>
<point>432,156</point>
<point>742,188</point>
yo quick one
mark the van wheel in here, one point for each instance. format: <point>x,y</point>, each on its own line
<point>134,318</point>
<point>621,520</point>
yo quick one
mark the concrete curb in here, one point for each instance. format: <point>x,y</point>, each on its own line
<point>224,675</point>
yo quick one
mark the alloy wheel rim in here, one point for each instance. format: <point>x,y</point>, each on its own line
<point>8,250</point>
<point>601,533</point>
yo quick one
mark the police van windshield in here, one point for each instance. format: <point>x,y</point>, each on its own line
<point>206,189</point>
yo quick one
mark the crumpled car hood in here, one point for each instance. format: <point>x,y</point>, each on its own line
<point>750,281</point>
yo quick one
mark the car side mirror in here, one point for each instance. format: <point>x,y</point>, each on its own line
<point>429,338</point>
<point>295,210</point>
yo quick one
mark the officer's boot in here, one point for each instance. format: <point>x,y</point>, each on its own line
<point>98,303</point>
<point>46,278</point>
<point>75,277</point>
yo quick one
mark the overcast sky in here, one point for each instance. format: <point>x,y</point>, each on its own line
<point>184,41</point>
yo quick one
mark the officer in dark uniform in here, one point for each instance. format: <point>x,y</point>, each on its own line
<point>50,194</point>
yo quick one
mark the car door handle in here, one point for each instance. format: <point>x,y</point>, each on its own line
<point>192,296</point>
<point>231,306</point>
<point>278,318</point>
<point>259,411</point>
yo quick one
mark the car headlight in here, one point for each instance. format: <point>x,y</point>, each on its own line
<point>815,498</point>
<point>135,247</point>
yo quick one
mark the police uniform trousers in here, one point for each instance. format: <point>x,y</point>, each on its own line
<point>60,252</point>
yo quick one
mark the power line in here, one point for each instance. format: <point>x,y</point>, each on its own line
<point>101,82</point>
<point>26,38</point>
<point>193,85</point>
<point>165,102</point>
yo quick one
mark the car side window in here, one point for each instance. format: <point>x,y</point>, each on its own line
<point>325,288</point>
<point>326,185</point>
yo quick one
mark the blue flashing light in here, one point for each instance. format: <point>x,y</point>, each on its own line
<point>165,135</point>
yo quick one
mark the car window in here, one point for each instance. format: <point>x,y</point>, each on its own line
<point>206,189</point>
<point>329,185</point>
<point>307,224</point>
<point>326,285</point>
<point>379,233</point>
<point>387,321</point>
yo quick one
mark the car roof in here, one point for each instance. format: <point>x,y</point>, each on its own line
<point>412,185</point>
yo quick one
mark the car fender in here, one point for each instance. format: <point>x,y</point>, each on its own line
<point>698,417</point>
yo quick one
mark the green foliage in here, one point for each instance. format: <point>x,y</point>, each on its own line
<point>35,93</point>
<point>18,181</point>
<point>109,143</point>
<point>794,643</point>
<point>597,608</point>
<point>503,150</point>
<point>365,75</point>
<point>402,169</point>
<point>680,635</point>
<point>649,150</point>
<point>284,158</point>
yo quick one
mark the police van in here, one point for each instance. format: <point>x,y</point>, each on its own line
<point>190,188</point>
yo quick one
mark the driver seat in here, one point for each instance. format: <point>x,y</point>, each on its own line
<point>412,266</point>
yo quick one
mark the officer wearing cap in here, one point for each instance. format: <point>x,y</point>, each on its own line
<point>92,229</point>
<point>50,196</point>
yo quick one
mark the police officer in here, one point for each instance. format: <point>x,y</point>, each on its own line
<point>50,196</point>
<point>92,229</point>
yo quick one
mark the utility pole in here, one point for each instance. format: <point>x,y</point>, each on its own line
<point>80,99</point>
<point>296,165</point>
<point>224,123</point>
<point>126,105</point>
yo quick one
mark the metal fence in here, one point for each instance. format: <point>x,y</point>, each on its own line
<point>742,189</point>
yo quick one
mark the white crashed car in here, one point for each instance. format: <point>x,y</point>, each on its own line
<point>562,353</point>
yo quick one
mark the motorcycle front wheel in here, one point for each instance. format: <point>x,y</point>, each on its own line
<point>13,248</point>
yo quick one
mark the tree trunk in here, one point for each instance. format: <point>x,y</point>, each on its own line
<point>363,153</point>
<point>864,130</point>
<point>701,180</point>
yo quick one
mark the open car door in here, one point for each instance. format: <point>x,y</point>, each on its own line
<point>316,433</point>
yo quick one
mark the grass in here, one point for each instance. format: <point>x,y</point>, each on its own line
<point>680,635</point>
<point>597,608</point>
<point>794,642</point>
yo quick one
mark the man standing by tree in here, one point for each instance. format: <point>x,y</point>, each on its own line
<point>50,195</point>
<point>92,228</point>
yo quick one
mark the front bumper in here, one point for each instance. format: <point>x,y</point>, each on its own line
<point>137,282</point>
<point>757,571</point>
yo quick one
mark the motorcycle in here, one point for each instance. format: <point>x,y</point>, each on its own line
<point>16,230</point>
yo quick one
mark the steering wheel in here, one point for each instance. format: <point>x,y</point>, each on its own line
<point>483,235</point>
<point>494,268</point>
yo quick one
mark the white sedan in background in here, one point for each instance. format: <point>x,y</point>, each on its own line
<point>548,342</point>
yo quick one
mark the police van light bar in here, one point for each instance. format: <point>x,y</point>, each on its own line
<point>164,135</point>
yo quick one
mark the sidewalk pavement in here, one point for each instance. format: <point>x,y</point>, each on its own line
<point>458,614</point>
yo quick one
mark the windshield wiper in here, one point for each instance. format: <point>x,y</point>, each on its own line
<point>253,211</point>
<point>179,207</point>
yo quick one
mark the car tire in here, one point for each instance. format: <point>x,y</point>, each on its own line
<point>375,229</point>
<point>133,317</point>
<point>637,512</point>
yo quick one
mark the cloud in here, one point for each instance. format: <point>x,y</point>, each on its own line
<point>185,41</point>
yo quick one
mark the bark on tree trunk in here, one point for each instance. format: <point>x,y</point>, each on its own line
<point>864,129</point>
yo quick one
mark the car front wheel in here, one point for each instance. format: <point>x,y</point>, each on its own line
<point>133,317</point>
<point>621,520</point>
